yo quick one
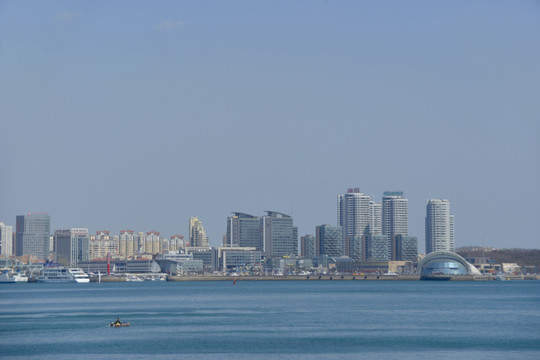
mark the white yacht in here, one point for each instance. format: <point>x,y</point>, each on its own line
<point>61,274</point>
<point>11,277</point>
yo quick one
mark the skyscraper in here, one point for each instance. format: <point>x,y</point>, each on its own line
<point>439,226</point>
<point>197,234</point>
<point>354,217</point>
<point>279,236</point>
<point>6,239</point>
<point>329,240</point>
<point>243,230</point>
<point>395,218</point>
<point>72,246</point>
<point>32,235</point>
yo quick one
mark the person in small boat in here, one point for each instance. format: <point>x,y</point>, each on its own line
<point>117,322</point>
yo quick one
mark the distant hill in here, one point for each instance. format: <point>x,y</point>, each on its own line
<point>523,257</point>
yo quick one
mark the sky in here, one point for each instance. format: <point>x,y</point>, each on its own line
<point>138,115</point>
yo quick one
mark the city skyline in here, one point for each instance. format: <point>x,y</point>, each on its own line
<point>140,115</point>
<point>355,220</point>
<point>393,221</point>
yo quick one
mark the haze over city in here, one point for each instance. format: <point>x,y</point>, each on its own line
<point>140,115</point>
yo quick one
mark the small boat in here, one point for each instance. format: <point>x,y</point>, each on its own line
<point>500,277</point>
<point>133,278</point>
<point>119,325</point>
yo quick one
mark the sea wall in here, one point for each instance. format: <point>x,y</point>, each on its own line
<point>311,278</point>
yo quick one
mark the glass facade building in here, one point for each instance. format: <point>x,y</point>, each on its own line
<point>279,235</point>
<point>209,257</point>
<point>307,246</point>
<point>232,259</point>
<point>329,240</point>
<point>406,248</point>
<point>445,264</point>
<point>376,247</point>
<point>243,230</point>
<point>32,237</point>
<point>356,247</point>
<point>444,267</point>
<point>71,246</point>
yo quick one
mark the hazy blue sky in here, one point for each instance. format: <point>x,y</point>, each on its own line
<point>140,114</point>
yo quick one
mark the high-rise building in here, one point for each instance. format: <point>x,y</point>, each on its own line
<point>395,218</point>
<point>177,242</point>
<point>439,226</point>
<point>452,246</point>
<point>6,239</point>
<point>128,243</point>
<point>102,244</point>
<point>307,246</point>
<point>32,235</point>
<point>375,227</point>
<point>279,236</point>
<point>395,214</point>
<point>243,230</point>
<point>355,218</point>
<point>152,242</point>
<point>329,240</point>
<point>71,246</point>
<point>197,235</point>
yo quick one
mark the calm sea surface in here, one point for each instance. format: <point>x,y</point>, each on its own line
<point>272,320</point>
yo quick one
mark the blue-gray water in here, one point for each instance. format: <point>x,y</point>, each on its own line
<point>272,320</point>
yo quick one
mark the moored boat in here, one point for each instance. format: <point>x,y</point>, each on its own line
<point>11,277</point>
<point>436,276</point>
<point>60,274</point>
<point>133,278</point>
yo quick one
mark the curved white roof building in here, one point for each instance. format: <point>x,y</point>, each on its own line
<point>443,265</point>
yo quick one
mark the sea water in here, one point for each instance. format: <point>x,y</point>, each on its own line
<point>272,320</point>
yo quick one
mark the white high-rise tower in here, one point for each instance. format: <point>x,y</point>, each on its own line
<point>395,215</point>
<point>395,219</point>
<point>354,212</point>
<point>6,239</point>
<point>355,218</point>
<point>439,226</point>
